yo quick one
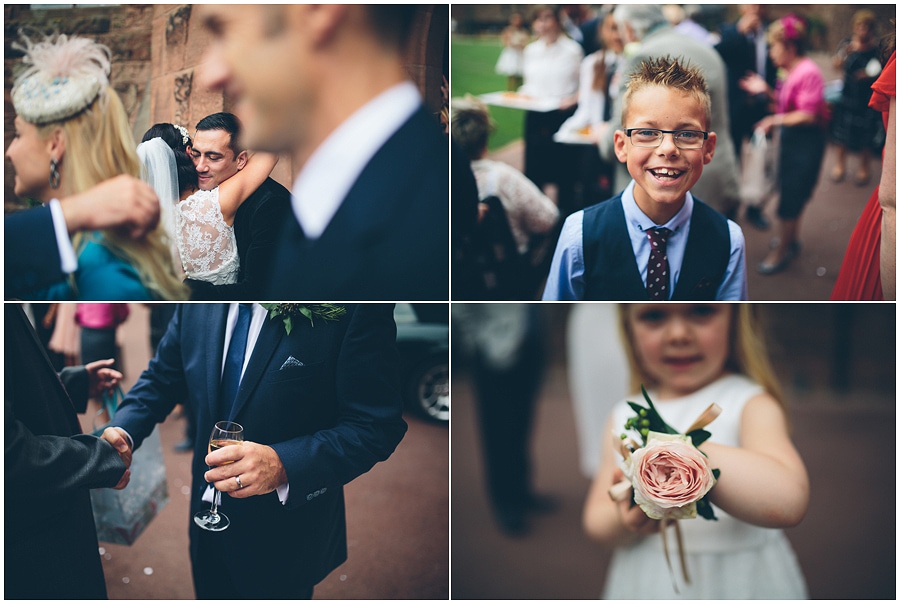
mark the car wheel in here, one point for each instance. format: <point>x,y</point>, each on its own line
<point>428,389</point>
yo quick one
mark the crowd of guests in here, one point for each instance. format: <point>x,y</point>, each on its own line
<point>758,78</point>
<point>194,214</point>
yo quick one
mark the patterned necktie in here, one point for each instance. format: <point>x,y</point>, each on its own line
<point>658,266</point>
<point>234,361</point>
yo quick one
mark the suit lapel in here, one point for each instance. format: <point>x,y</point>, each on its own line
<point>215,351</point>
<point>269,337</point>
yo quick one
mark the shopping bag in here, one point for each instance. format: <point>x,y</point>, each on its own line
<point>121,516</point>
<point>759,169</point>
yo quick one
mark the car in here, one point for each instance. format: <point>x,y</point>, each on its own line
<point>423,339</point>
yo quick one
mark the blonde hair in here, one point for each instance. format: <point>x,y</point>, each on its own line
<point>747,354</point>
<point>99,146</point>
<point>671,73</point>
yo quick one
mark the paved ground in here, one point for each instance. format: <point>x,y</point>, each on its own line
<point>397,518</point>
<point>845,544</point>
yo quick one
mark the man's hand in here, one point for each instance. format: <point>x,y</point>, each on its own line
<point>116,437</point>
<point>124,203</point>
<point>102,378</point>
<point>258,466</point>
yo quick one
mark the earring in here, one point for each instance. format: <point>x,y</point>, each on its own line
<point>54,173</point>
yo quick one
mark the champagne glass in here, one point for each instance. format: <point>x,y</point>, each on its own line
<point>223,434</point>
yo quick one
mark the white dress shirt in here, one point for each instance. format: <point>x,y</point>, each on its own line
<point>336,164</point>
<point>551,70</point>
<point>68,261</point>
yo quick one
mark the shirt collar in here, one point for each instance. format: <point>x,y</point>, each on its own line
<point>636,218</point>
<point>335,165</point>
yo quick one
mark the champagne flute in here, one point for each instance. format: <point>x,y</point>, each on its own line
<point>223,434</point>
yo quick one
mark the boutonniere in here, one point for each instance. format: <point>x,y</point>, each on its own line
<point>289,312</point>
<point>666,474</point>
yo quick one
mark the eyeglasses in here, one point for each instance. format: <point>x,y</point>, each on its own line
<point>651,138</point>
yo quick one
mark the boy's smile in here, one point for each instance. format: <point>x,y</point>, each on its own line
<point>663,175</point>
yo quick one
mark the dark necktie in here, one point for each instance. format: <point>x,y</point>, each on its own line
<point>234,361</point>
<point>658,266</point>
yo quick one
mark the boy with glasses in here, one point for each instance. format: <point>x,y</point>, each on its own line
<point>654,240</point>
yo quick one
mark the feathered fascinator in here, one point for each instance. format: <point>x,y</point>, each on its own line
<point>64,76</point>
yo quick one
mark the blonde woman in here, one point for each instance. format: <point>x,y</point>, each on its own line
<point>72,133</point>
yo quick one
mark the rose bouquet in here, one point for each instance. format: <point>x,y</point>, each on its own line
<point>666,475</point>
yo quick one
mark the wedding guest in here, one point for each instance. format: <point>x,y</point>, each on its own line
<point>528,212</point>
<point>510,63</point>
<point>646,33</point>
<point>320,406</point>
<point>99,322</point>
<point>595,101</point>
<point>49,469</point>
<point>762,488</point>
<point>744,49</point>
<point>856,127</point>
<point>552,64</point>
<point>371,195</point>
<point>869,266</point>
<point>655,240</point>
<point>802,116</point>
<point>504,343</point>
<point>72,133</point>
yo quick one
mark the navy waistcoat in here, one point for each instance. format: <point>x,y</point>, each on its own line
<point>611,271</point>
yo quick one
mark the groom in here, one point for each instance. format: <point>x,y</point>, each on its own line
<point>218,155</point>
<point>319,406</point>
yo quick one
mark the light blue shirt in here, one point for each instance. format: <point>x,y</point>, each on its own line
<point>566,279</point>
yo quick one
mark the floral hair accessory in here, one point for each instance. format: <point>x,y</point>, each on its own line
<point>289,312</point>
<point>794,27</point>
<point>185,137</point>
<point>64,76</point>
<point>667,476</point>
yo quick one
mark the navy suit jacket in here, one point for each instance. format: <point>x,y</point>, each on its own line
<point>31,255</point>
<point>389,240</point>
<point>49,535</point>
<point>330,420</point>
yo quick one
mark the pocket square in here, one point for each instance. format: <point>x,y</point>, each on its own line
<point>291,362</point>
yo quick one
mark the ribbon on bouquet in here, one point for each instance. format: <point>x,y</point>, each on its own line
<point>622,491</point>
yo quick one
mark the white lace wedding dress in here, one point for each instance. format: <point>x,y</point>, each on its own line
<point>207,245</point>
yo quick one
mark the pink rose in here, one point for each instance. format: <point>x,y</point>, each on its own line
<point>669,476</point>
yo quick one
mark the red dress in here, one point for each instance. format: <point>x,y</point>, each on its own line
<point>860,276</point>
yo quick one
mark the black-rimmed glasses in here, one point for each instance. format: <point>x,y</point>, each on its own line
<point>652,137</point>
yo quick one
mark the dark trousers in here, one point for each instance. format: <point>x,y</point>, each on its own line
<point>547,161</point>
<point>506,402</point>
<point>213,581</point>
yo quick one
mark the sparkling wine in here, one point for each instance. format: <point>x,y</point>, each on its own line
<point>215,445</point>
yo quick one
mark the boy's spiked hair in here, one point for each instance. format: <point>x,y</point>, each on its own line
<point>672,73</point>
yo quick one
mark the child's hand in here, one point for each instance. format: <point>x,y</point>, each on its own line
<point>633,518</point>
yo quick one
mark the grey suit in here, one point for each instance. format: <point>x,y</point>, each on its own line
<point>718,186</point>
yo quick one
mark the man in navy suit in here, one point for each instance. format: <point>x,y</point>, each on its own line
<point>37,250</point>
<point>327,83</point>
<point>319,407</point>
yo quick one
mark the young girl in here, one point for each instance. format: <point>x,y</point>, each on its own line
<point>689,356</point>
<point>515,38</point>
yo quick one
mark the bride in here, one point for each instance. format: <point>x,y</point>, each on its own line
<point>200,223</point>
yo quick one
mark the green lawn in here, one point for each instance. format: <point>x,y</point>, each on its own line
<point>472,72</point>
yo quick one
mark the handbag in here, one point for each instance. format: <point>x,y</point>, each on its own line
<point>759,169</point>
<point>121,516</point>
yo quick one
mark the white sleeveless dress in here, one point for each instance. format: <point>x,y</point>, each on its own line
<point>206,244</point>
<point>727,558</point>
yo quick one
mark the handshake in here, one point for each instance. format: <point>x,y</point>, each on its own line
<point>102,378</point>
